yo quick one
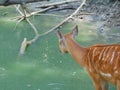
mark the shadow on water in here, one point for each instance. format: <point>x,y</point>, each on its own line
<point>42,67</point>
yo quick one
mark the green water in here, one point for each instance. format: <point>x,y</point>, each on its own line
<point>42,67</point>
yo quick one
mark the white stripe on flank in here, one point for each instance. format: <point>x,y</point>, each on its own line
<point>110,50</point>
<point>118,57</point>
<point>106,74</point>
<point>113,54</point>
<point>105,53</point>
<point>101,53</point>
<point>94,53</point>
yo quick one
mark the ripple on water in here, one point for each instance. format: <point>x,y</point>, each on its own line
<point>55,86</point>
<point>52,84</point>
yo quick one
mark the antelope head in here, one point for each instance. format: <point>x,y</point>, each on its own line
<point>64,37</point>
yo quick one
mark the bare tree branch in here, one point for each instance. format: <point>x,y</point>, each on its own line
<point>11,2</point>
<point>58,25</point>
<point>34,28</point>
<point>65,20</point>
<point>57,3</point>
<point>25,42</point>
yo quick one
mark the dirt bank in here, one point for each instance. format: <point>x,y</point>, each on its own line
<point>106,15</point>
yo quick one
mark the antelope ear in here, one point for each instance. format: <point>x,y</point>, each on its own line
<point>59,34</point>
<point>75,31</point>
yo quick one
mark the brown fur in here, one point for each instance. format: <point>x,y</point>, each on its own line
<point>101,61</point>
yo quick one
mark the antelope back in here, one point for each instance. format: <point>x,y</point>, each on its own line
<point>105,60</point>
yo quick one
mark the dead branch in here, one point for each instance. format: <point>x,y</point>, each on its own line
<point>56,3</point>
<point>43,10</point>
<point>11,2</point>
<point>25,13</point>
<point>32,13</point>
<point>65,20</point>
<point>18,23</point>
<point>58,25</point>
<point>34,28</point>
<point>17,8</point>
<point>20,18</point>
<point>37,36</point>
<point>23,46</point>
<point>25,42</point>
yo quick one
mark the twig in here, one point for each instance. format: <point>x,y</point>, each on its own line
<point>23,13</point>
<point>17,8</point>
<point>54,15</point>
<point>57,3</point>
<point>33,13</point>
<point>20,18</point>
<point>43,10</point>
<point>34,28</point>
<point>18,23</point>
<point>14,2</point>
<point>25,42</point>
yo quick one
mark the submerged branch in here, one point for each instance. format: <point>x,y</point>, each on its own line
<point>25,42</point>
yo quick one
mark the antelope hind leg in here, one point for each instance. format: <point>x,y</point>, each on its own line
<point>118,85</point>
<point>105,85</point>
<point>99,83</point>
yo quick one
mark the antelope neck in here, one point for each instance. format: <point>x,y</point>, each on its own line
<point>76,50</point>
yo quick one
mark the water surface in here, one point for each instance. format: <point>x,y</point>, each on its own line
<point>43,67</point>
